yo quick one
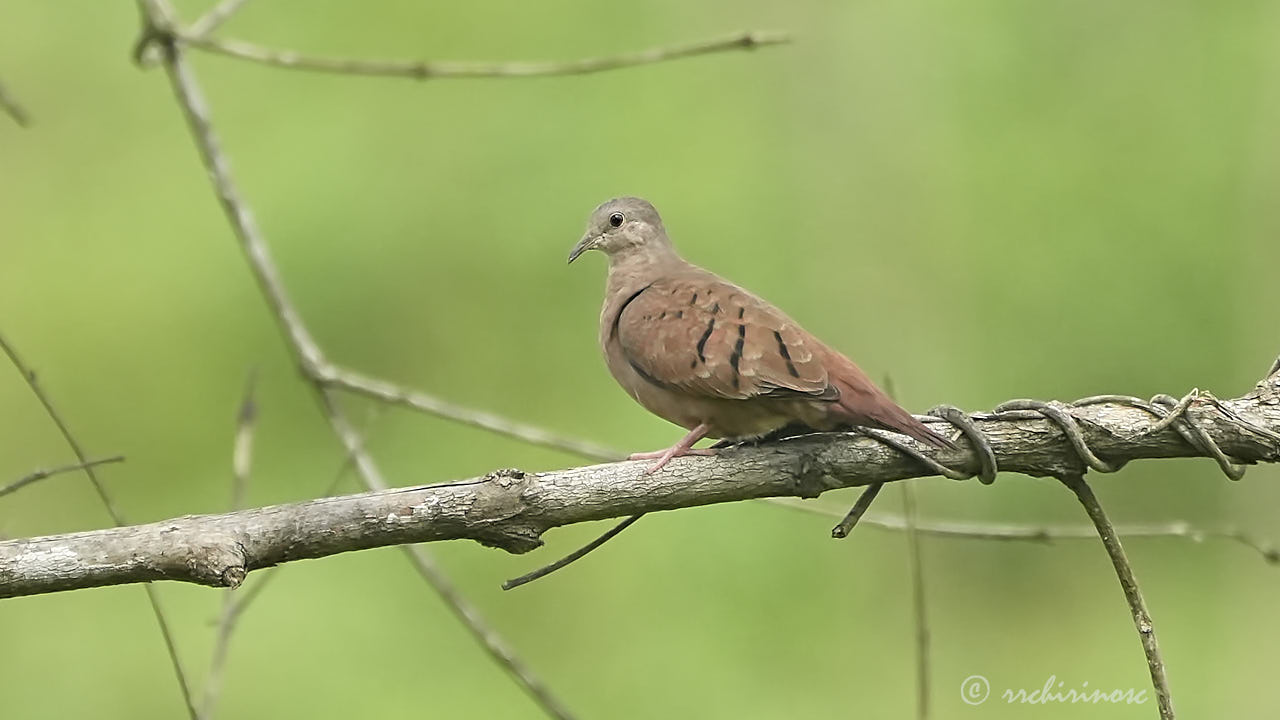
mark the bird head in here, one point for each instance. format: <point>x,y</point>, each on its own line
<point>622,227</point>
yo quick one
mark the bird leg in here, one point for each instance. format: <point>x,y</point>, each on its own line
<point>684,447</point>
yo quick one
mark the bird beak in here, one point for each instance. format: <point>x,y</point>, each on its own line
<point>588,242</point>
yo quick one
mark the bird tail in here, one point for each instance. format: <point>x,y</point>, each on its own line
<point>862,403</point>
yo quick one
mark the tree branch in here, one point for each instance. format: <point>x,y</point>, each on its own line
<point>511,510</point>
<point>428,70</point>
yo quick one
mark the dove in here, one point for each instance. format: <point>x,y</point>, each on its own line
<point>713,358</point>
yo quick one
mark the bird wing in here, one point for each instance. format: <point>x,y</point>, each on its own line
<point>703,335</point>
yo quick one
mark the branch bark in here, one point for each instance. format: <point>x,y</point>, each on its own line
<point>511,510</point>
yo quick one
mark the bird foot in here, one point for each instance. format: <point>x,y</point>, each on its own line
<point>684,447</point>
<point>665,456</point>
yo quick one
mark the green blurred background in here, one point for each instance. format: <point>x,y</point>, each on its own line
<point>990,199</point>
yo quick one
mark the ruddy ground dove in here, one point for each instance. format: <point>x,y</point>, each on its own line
<point>705,354</point>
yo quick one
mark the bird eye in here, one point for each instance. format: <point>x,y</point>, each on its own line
<point>616,219</point>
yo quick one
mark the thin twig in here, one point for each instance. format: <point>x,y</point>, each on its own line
<point>851,518</point>
<point>916,565</point>
<point>242,447</point>
<point>215,17</point>
<point>1132,594</point>
<point>426,70</point>
<point>1043,533</point>
<point>573,556</point>
<point>42,474</point>
<point>117,517</point>
<point>12,108</point>
<point>241,466</point>
<point>29,376</point>
<point>341,378</point>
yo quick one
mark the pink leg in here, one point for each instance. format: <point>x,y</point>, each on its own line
<point>684,447</point>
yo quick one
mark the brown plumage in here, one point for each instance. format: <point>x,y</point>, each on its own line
<point>707,355</point>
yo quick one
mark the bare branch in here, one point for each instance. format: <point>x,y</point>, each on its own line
<point>429,70</point>
<point>215,17</point>
<point>511,509</point>
<point>29,376</point>
<point>336,377</point>
<point>1043,533</point>
<point>1132,594</point>
<point>851,518</point>
<point>572,557</point>
<point>42,474</point>
<point>11,108</point>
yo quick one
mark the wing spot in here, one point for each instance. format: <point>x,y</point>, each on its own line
<point>694,301</point>
<point>702,341</point>
<point>786,354</point>
<point>736,356</point>
<point>715,309</point>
